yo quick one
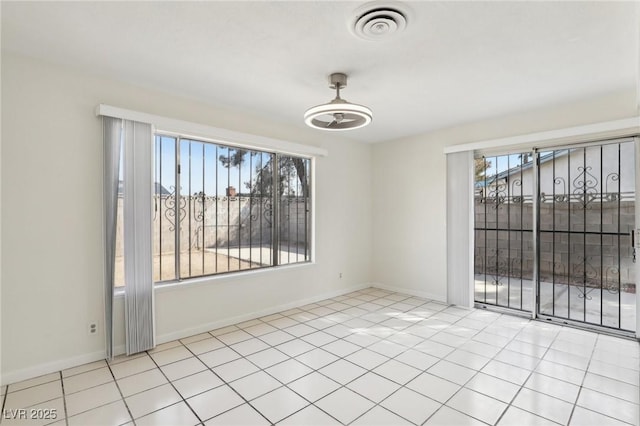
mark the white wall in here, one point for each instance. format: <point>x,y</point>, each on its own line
<point>409,202</point>
<point>52,244</point>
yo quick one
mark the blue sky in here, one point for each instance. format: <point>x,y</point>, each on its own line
<point>501,163</point>
<point>201,167</point>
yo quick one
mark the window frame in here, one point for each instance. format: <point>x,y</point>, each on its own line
<point>276,202</point>
<point>217,135</point>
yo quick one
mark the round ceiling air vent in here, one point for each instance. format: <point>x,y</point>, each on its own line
<point>377,21</point>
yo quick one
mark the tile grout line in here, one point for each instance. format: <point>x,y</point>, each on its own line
<point>424,371</point>
<point>313,370</point>
<point>293,338</point>
<point>533,371</point>
<point>115,381</point>
<point>208,368</point>
<point>222,380</point>
<point>172,386</point>
<point>411,347</point>
<point>510,404</point>
<point>376,404</point>
<point>311,403</point>
<point>416,306</point>
<point>443,404</point>
<point>33,386</point>
<point>586,370</point>
<point>4,400</point>
<point>341,385</point>
<point>36,403</point>
<point>478,371</point>
<point>343,358</point>
<point>356,313</point>
<point>64,400</point>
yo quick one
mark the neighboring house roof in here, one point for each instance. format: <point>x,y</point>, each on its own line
<point>517,169</point>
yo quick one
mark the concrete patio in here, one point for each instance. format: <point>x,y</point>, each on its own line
<point>569,301</point>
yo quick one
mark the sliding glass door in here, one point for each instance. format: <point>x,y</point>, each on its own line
<point>554,233</point>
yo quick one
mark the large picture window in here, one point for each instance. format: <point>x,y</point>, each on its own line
<point>221,209</point>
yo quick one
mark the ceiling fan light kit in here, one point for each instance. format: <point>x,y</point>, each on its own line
<point>338,114</point>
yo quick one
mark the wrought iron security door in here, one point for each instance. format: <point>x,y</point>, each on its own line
<point>553,233</point>
<point>586,217</point>
<point>503,231</point>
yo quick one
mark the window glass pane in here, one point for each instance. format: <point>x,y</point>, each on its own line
<point>118,273</point>
<point>294,210</point>
<point>225,218</point>
<point>190,205</point>
<point>164,209</point>
<point>256,210</point>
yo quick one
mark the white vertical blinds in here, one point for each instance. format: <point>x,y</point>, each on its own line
<point>138,214</point>
<point>112,137</point>
<point>460,228</point>
<point>637,228</point>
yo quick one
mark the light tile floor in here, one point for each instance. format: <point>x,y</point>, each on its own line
<point>370,357</point>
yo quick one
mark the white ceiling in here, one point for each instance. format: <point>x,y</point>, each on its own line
<point>456,62</point>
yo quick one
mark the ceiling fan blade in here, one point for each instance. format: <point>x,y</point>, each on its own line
<point>332,123</point>
<point>351,117</point>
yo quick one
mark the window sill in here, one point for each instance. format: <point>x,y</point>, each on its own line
<point>211,279</point>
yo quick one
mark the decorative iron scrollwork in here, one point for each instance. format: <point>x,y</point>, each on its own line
<point>496,193</point>
<point>497,267</point>
<point>516,199</point>
<point>612,275</point>
<point>199,205</point>
<point>585,187</point>
<point>585,190</point>
<point>170,208</point>
<point>268,211</point>
<point>586,276</point>
<point>560,197</point>
<point>612,178</point>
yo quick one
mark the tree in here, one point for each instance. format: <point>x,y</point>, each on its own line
<point>234,159</point>
<point>264,180</point>
<point>525,157</point>
<point>480,168</point>
<point>301,171</point>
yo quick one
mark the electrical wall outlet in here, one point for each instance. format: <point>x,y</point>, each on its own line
<point>93,328</point>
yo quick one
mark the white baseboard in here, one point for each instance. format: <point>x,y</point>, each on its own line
<point>168,337</point>
<point>411,292</point>
<point>50,367</point>
<point>62,364</point>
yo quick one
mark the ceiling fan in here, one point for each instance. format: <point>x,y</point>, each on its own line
<point>338,114</point>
